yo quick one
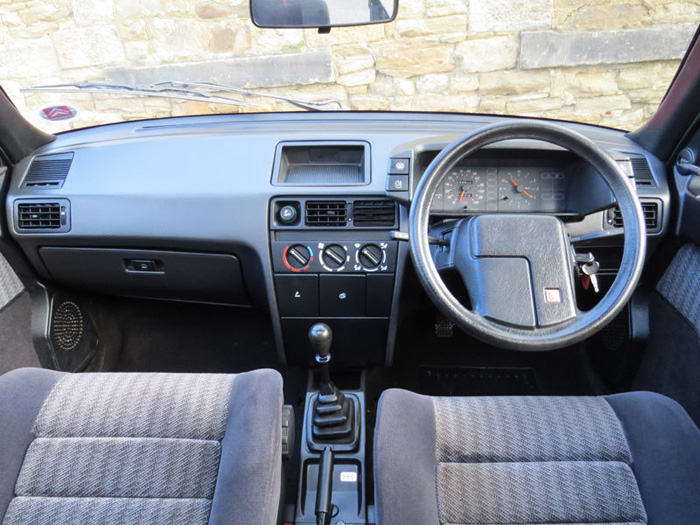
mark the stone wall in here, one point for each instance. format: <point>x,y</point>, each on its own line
<point>601,61</point>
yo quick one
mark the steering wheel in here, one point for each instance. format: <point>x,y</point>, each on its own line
<point>518,269</point>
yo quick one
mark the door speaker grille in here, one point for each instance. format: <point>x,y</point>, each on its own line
<point>67,326</point>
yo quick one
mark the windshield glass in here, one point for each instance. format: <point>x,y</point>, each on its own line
<point>593,61</point>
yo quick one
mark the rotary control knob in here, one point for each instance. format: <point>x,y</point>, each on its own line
<point>334,256</point>
<point>370,256</point>
<point>297,257</point>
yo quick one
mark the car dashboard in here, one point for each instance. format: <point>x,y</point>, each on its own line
<point>293,213</point>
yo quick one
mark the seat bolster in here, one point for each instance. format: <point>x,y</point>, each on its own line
<point>22,393</point>
<point>248,488</point>
<point>404,460</point>
<point>665,447</point>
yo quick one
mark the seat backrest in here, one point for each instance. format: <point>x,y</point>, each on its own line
<point>126,448</point>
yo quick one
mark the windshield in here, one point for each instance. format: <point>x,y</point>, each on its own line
<point>607,63</point>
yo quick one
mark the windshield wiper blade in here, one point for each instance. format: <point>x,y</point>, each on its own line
<point>313,105</point>
<point>149,91</point>
<point>198,91</point>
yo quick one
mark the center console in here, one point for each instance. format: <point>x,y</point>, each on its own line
<point>334,262</point>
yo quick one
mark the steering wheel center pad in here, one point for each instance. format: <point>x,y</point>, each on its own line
<point>517,268</point>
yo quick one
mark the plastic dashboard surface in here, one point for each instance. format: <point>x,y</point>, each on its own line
<point>203,184</point>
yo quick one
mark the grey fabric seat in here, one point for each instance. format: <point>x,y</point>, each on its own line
<point>140,448</point>
<point>624,459</point>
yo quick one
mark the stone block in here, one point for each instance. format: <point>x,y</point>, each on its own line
<point>530,104</point>
<point>411,9</point>
<point>514,82</point>
<point>437,83</point>
<point>251,72</point>
<point>212,10</point>
<point>488,54</point>
<point>137,52</point>
<point>487,16</point>
<point>445,7</point>
<point>88,46</point>
<point>464,84</point>
<point>349,59</point>
<point>130,9</point>
<point>444,27</point>
<point>370,103</point>
<point>358,78</point>
<point>551,49</point>
<point>653,75</point>
<point>87,12</point>
<point>223,40</point>
<point>446,103</point>
<point>414,58</point>
<point>629,120</point>
<point>174,39</point>
<point>602,105</point>
<point>598,16</point>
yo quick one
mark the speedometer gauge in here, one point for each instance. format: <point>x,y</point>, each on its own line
<point>465,190</point>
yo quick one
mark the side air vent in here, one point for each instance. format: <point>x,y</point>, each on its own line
<point>651,216</point>
<point>642,172</point>
<point>327,214</point>
<point>375,213</point>
<point>48,171</point>
<point>46,216</point>
<point>42,216</point>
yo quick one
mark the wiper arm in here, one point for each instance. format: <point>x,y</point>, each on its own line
<point>148,91</point>
<point>198,91</point>
<point>214,87</point>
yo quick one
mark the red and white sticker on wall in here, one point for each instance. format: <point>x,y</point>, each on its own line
<point>58,113</point>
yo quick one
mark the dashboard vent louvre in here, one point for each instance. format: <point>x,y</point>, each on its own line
<point>642,172</point>
<point>39,216</point>
<point>375,213</point>
<point>48,171</point>
<point>651,216</point>
<point>326,213</point>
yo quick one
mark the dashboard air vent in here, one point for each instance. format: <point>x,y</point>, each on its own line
<point>642,172</point>
<point>375,213</point>
<point>326,213</point>
<point>39,216</point>
<point>48,171</point>
<point>651,216</point>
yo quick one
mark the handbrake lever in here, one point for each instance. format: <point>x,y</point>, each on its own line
<point>324,489</point>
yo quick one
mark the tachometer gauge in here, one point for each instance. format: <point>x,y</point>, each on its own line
<point>465,190</point>
<point>518,189</point>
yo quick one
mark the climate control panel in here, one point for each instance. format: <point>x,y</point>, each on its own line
<point>334,256</point>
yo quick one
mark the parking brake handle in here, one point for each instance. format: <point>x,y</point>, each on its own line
<point>324,489</point>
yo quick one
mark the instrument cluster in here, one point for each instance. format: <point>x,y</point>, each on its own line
<point>474,189</point>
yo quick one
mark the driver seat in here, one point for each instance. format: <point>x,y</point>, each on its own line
<point>628,459</point>
<point>140,448</point>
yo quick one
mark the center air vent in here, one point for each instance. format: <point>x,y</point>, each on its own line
<point>48,171</point>
<point>651,216</point>
<point>326,213</point>
<point>42,216</point>
<point>375,213</point>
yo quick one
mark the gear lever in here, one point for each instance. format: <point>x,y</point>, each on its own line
<point>321,337</point>
<point>333,414</point>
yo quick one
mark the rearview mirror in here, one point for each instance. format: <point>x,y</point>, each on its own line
<point>321,13</point>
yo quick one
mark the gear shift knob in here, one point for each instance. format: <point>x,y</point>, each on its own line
<point>321,337</point>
